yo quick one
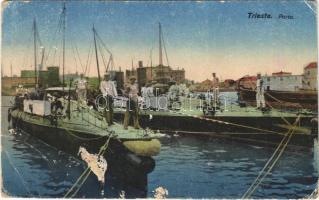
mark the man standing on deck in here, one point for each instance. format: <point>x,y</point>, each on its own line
<point>260,98</point>
<point>108,91</point>
<point>81,89</point>
<point>132,104</point>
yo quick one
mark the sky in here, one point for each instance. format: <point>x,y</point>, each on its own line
<point>202,37</point>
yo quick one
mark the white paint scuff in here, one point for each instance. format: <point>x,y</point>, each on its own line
<point>97,164</point>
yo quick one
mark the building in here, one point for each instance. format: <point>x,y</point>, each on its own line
<point>14,82</point>
<point>178,75</point>
<point>53,76</point>
<point>310,76</point>
<point>282,81</point>
<point>281,73</point>
<point>161,74</point>
<point>144,74</point>
<point>47,78</point>
<point>229,83</point>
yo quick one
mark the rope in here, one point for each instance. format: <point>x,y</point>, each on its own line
<point>88,61</point>
<point>250,82</point>
<point>281,147</point>
<point>165,50</point>
<point>234,124</point>
<point>86,173</point>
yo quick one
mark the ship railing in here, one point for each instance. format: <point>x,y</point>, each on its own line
<point>87,114</point>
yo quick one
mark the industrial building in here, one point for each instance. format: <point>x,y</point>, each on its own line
<point>161,74</point>
<point>47,78</point>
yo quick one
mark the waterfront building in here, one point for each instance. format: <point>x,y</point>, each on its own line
<point>310,76</point>
<point>47,78</point>
<point>228,83</point>
<point>145,74</point>
<point>9,83</point>
<point>161,74</point>
<point>282,81</point>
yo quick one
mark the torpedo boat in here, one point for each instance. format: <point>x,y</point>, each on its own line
<point>82,126</point>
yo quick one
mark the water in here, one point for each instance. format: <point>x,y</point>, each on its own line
<point>187,167</point>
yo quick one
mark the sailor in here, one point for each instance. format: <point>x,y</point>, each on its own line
<point>132,109</point>
<point>108,91</point>
<point>149,90</point>
<point>81,89</point>
<point>260,98</point>
<point>215,88</point>
<point>144,91</point>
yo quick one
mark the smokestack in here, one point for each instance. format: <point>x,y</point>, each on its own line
<point>140,63</point>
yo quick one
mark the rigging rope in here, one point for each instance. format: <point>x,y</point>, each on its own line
<point>250,82</point>
<point>76,63</point>
<point>102,55</point>
<point>233,124</point>
<point>165,51</point>
<point>58,29</point>
<point>86,173</point>
<point>88,61</point>
<point>77,52</point>
<point>271,162</point>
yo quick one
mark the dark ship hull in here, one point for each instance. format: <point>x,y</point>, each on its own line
<point>282,99</point>
<point>268,130</point>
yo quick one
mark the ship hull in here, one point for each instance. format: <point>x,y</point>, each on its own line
<point>262,129</point>
<point>125,165</point>
<point>283,99</point>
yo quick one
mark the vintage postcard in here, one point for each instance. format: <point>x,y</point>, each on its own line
<point>159,99</point>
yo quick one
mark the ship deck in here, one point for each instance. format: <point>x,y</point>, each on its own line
<point>192,108</point>
<point>87,123</point>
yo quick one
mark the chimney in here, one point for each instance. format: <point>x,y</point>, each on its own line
<point>140,63</point>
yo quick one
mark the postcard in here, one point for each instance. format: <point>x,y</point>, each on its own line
<point>159,99</point>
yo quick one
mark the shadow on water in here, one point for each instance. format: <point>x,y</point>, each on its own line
<point>187,167</point>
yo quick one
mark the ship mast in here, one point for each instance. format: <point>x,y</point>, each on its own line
<point>160,44</point>
<point>63,44</point>
<point>96,56</point>
<point>35,54</point>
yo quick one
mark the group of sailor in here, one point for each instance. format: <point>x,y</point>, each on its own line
<point>109,92</point>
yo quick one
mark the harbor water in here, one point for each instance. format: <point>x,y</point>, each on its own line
<point>188,167</point>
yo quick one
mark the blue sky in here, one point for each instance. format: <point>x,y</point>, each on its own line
<point>201,37</point>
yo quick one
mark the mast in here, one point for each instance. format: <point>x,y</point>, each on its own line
<point>96,56</point>
<point>160,44</point>
<point>63,44</point>
<point>42,58</point>
<point>10,72</point>
<point>35,54</point>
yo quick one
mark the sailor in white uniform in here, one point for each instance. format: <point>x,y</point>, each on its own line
<point>81,89</point>
<point>109,92</point>
<point>260,98</point>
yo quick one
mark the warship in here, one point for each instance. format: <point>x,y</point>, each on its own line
<point>232,120</point>
<point>54,116</point>
<point>278,99</point>
<point>132,149</point>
